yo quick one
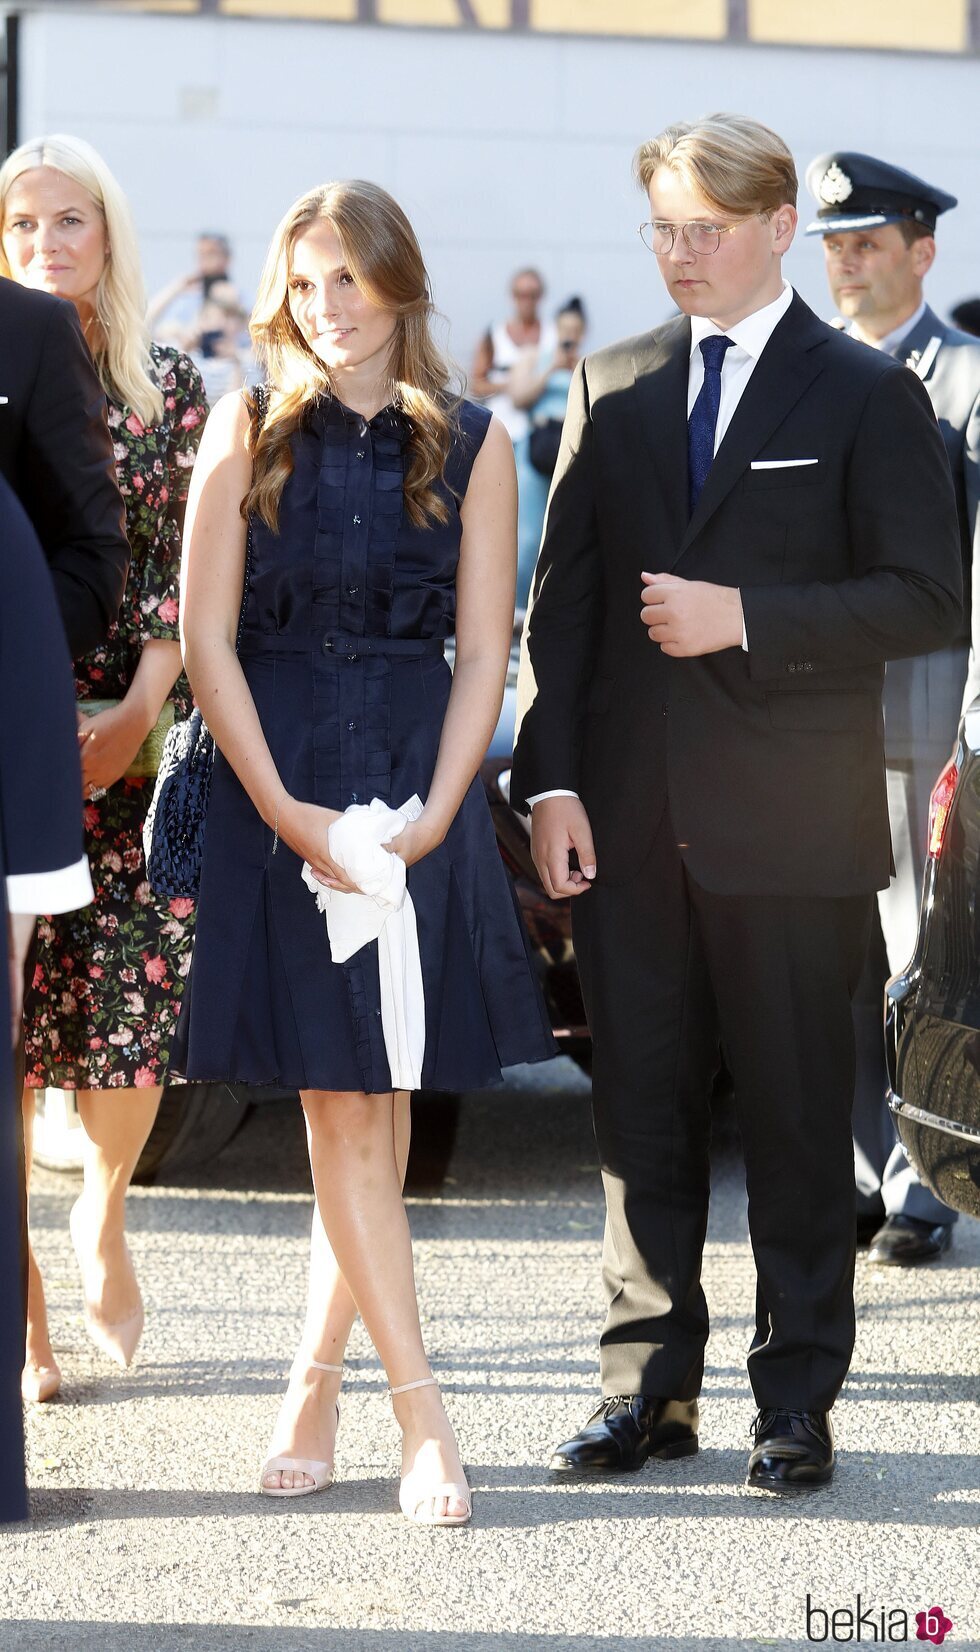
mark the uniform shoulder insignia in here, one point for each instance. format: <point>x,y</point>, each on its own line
<point>835,185</point>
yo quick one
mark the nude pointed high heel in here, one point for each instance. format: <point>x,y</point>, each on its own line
<point>417,1490</point>
<point>320,1473</point>
<point>117,1339</point>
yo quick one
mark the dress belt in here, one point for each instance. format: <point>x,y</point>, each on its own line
<point>341,643</point>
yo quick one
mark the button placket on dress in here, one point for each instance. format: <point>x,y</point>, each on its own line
<point>352,667</point>
<point>351,701</point>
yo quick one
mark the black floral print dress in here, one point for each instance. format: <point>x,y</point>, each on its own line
<point>109,978</point>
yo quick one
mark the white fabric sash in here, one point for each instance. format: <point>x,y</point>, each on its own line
<point>381,911</point>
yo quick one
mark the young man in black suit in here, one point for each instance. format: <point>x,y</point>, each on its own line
<point>750,514</point>
<point>56,453</point>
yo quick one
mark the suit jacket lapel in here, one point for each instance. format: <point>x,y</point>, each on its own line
<point>788,365</point>
<point>661,369</point>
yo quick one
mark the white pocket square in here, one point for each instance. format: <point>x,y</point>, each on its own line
<point>781,464</point>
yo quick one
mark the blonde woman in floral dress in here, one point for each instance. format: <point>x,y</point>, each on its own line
<point>109,978</point>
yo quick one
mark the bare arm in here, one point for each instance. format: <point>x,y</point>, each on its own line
<point>485,585</point>
<point>160,302</point>
<point>109,741</point>
<point>212,579</point>
<point>479,383</point>
<point>528,381</point>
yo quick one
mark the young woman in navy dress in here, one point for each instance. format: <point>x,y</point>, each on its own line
<point>382,514</point>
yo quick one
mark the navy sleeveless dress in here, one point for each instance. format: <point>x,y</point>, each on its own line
<point>342,646</point>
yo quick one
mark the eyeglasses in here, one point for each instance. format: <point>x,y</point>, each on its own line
<point>698,237</point>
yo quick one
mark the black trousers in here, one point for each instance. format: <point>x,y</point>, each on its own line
<point>13,1270</point>
<point>671,975</point>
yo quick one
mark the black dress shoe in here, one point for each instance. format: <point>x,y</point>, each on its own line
<point>867,1227</point>
<point>626,1430</point>
<point>793,1451</point>
<point>905,1241</point>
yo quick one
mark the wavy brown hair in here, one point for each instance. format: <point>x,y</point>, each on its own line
<point>384,259</point>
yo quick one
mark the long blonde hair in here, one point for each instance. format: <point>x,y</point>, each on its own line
<point>385,262</point>
<point>121,347</point>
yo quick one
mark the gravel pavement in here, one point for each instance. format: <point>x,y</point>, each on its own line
<point>147,1534</point>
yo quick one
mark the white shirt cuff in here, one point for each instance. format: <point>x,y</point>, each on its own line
<point>540,796</point>
<point>745,635</point>
<point>60,891</point>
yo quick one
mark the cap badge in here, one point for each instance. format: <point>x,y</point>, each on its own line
<point>835,185</point>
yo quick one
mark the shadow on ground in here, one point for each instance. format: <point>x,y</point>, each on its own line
<point>520,1496</point>
<point>145,1637</point>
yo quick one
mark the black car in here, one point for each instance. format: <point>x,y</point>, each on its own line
<point>932,1009</point>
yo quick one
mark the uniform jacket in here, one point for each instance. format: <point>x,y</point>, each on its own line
<point>771,760</point>
<point>56,452</point>
<point>948,363</point>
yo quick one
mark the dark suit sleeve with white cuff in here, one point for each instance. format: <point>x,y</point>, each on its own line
<point>738,806</point>
<point>41,860</point>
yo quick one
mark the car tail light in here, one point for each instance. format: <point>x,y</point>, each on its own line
<point>940,804</point>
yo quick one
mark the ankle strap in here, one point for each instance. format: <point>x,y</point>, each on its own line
<point>300,1364</point>
<point>423,1382</point>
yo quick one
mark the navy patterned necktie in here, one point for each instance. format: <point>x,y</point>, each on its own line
<point>704,416</point>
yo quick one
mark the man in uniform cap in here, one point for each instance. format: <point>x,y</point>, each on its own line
<point>878,226</point>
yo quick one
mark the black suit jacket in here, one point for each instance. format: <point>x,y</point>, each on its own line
<point>56,452</point>
<point>40,831</point>
<point>772,760</point>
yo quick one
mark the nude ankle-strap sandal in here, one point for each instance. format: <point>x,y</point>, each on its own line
<point>417,1492</point>
<point>320,1473</point>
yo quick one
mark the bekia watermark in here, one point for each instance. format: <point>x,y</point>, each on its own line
<point>875,1623</point>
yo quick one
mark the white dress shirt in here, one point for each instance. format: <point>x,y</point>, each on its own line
<point>749,339</point>
<point>891,340</point>
<point>61,891</point>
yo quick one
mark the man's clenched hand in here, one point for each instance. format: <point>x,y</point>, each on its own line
<point>559,825</point>
<point>688,617</point>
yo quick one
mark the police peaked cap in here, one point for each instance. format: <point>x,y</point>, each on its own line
<point>857,192</point>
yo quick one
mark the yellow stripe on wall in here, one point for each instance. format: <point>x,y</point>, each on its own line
<point>692,19</point>
<point>335,11</point>
<point>923,25</point>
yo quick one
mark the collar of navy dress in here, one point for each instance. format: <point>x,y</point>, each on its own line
<point>388,421</point>
<point>703,421</point>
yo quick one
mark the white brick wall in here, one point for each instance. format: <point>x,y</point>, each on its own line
<point>504,149</point>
